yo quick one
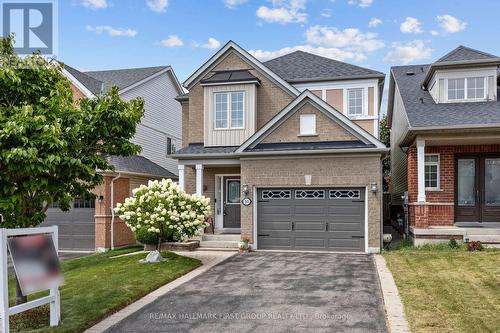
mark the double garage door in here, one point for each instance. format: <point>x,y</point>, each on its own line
<point>317,219</point>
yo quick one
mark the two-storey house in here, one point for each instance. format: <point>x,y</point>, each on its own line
<point>287,150</point>
<point>445,146</point>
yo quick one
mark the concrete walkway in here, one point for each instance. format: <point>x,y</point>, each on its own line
<point>209,260</point>
<point>270,292</point>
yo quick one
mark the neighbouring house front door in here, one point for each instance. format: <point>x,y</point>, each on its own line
<point>231,202</point>
<point>477,189</point>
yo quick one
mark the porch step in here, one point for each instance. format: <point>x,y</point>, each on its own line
<point>219,249</point>
<point>221,237</point>
<point>219,244</point>
<point>487,239</point>
<point>481,231</point>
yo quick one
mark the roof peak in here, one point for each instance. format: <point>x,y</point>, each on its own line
<point>461,53</point>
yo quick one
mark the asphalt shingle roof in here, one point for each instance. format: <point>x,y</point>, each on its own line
<point>95,86</point>
<point>139,164</point>
<point>231,76</point>
<point>463,53</point>
<point>300,66</point>
<point>123,78</point>
<point>422,111</point>
<point>310,145</point>
<point>198,148</point>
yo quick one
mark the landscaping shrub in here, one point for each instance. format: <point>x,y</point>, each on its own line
<point>475,246</point>
<point>452,243</point>
<point>162,212</point>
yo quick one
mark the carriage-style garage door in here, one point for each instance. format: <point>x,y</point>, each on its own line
<point>324,219</point>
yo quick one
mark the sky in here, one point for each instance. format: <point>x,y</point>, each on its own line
<point>378,34</point>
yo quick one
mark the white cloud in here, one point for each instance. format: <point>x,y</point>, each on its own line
<point>408,52</point>
<point>361,3</point>
<point>211,44</point>
<point>326,12</point>
<point>283,11</point>
<point>434,32</point>
<point>95,4</point>
<point>232,4</point>
<point>374,22</point>
<point>411,25</point>
<point>351,39</point>
<point>329,52</point>
<point>113,32</point>
<point>172,41</point>
<point>450,23</point>
<point>159,6</point>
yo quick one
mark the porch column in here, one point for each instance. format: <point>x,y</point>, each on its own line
<point>181,176</point>
<point>199,179</point>
<point>421,170</point>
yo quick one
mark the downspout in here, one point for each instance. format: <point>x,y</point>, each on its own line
<point>113,211</point>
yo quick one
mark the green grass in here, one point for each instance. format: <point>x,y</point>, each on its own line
<point>98,285</point>
<point>448,290</point>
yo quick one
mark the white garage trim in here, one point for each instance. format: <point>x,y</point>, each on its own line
<point>255,244</point>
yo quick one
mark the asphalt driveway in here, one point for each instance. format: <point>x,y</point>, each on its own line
<point>271,292</point>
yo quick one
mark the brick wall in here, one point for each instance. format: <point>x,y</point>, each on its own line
<point>439,210</point>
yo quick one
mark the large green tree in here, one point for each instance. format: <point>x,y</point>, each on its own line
<point>385,137</point>
<point>50,145</point>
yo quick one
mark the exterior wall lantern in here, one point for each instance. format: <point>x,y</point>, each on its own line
<point>245,189</point>
<point>374,187</point>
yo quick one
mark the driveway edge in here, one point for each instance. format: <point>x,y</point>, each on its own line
<point>394,310</point>
<point>214,258</point>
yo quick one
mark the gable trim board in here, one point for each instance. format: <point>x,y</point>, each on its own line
<point>223,52</point>
<point>168,69</point>
<point>77,83</point>
<point>321,105</point>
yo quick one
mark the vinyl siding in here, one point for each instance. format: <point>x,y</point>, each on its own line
<point>162,119</point>
<point>398,157</point>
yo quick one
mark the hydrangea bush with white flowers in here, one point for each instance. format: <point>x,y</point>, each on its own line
<point>162,210</point>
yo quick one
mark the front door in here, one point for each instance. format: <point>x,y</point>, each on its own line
<point>231,202</point>
<point>477,193</point>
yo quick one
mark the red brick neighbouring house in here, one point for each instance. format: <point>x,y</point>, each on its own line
<point>445,146</point>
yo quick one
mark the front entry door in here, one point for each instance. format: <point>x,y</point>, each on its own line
<point>231,202</point>
<point>477,197</point>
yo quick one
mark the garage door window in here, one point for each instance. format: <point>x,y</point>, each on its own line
<point>344,194</point>
<point>276,194</point>
<point>309,194</point>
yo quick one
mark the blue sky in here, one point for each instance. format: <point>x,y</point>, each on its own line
<point>109,34</point>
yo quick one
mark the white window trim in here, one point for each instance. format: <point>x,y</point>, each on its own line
<point>314,132</point>
<point>466,98</point>
<point>364,101</point>
<point>229,110</point>
<point>438,164</point>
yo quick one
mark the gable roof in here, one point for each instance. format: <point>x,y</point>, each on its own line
<point>231,76</point>
<point>422,111</point>
<point>342,120</point>
<point>93,85</point>
<point>300,66</point>
<point>139,165</point>
<point>232,46</point>
<point>462,53</point>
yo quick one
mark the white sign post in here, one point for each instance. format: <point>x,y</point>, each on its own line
<point>53,298</point>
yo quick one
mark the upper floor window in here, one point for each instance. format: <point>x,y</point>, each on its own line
<point>466,88</point>
<point>229,110</point>
<point>307,124</point>
<point>355,102</point>
<point>432,171</point>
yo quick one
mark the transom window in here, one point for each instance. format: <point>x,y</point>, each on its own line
<point>432,171</point>
<point>276,194</point>
<point>355,102</point>
<point>229,110</point>
<point>466,88</point>
<point>344,194</point>
<point>307,124</point>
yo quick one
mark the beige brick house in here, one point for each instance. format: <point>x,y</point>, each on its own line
<point>287,150</point>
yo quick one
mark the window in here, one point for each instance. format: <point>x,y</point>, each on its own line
<point>307,124</point>
<point>475,88</point>
<point>229,110</point>
<point>309,194</point>
<point>432,171</point>
<point>170,146</point>
<point>345,194</point>
<point>233,191</point>
<point>276,194</point>
<point>355,102</point>
<point>457,88</point>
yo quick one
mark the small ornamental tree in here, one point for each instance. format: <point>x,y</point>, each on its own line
<point>165,213</point>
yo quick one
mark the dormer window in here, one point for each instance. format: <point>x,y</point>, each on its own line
<point>470,88</point>
<point>229,110</point>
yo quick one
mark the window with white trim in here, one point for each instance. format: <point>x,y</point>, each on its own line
<point>468,88</point>
<point>307,124</point>
<point>355,102</point>
<point>431,171</point>
<point>229,110</point>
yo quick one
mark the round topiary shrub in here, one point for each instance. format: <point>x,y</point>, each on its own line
<point>162,212</point>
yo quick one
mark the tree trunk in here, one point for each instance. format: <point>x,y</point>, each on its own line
<point>20,298</point>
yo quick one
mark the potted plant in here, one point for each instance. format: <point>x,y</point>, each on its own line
<point>244,244</point>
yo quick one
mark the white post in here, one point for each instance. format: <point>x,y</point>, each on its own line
<point>55,305</point>
<point>199,179</point>
<point>181,176</point>
<point>4,279</point>
<point>421,170</point>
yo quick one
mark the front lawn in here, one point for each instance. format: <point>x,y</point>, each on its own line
<point>448,290</point>
<point>98,285</point>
